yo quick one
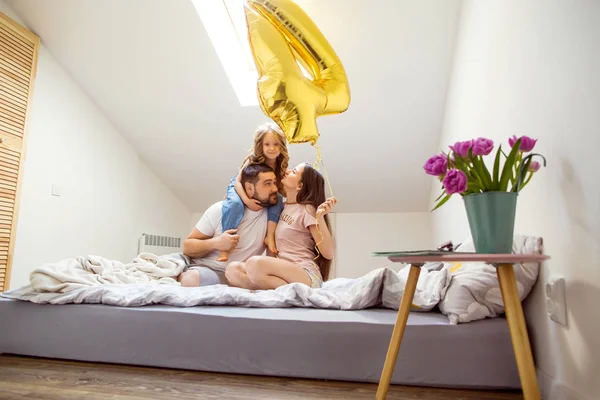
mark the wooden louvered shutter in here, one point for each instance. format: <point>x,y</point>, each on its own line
<point>18,61</point>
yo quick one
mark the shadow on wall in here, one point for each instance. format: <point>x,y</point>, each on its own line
<point>583,295</point>
<point>573,350</point>
<point>585,225</point>
<point>582,302</point>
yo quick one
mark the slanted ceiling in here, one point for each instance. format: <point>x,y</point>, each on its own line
<point>152,70</point>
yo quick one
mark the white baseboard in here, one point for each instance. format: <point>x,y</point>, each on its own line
<point>553,389</point>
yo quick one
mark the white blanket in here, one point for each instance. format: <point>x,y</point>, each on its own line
<point>75,273</point>
<point>149,280</point>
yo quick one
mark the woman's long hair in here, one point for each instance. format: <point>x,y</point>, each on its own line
<point>313,192</point>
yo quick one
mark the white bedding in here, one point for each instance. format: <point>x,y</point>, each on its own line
<point>149,280</point>
<point>80,272</point>
<point>474,292</point>
<point>463,291</point>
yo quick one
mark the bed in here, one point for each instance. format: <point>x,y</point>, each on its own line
<point>292,342</point>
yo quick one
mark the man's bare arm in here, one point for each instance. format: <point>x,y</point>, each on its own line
<point>199,245</point>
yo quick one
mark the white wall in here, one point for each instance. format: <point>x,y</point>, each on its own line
<point>108,195</point>
<point>359,235</point>
<point>532,68</point>
<point>194,220</point>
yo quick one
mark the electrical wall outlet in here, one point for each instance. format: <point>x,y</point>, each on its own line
<point>556,302</point>
<point>56,190</point>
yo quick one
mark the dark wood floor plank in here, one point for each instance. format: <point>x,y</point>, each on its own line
<point>48,379</point>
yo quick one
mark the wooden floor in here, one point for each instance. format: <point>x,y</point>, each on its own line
<point>35,378</point>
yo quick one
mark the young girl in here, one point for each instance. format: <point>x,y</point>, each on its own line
<point>269,148</point>
<point>297,236</point>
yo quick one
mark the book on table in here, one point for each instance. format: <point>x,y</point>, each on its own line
<point>413,253</point>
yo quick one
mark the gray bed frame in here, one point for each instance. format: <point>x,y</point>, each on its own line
<point>290,342</point>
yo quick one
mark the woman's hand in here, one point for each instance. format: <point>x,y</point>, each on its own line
<point>327,206</point>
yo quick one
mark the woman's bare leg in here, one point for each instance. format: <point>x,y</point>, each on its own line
<point>271,273</point>
<point>237,276</point>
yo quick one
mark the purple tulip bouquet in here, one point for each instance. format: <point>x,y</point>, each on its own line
<point>462,170</point>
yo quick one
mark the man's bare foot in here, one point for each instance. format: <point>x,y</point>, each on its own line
<point>223,256</point>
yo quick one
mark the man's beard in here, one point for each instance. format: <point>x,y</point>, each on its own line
<point>270,201</point>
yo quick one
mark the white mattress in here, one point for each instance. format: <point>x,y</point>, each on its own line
<point>293,342</point>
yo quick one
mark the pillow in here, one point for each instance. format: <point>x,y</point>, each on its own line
<point>474,292</point>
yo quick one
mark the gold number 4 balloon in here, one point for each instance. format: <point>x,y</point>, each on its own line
<point>281,37</point>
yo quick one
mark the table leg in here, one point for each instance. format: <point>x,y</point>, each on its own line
<point>518,331</point>
<point>394,347</point>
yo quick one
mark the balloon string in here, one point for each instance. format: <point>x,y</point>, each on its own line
<point>322,237</point>
<point>316,166</point>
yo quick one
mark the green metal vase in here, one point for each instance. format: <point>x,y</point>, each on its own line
<point>491,218</point>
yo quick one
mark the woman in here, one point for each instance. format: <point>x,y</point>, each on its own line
<point>303,227</point>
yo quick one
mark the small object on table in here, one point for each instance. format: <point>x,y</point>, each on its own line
<point>448,246</point>
<point>510,296</point>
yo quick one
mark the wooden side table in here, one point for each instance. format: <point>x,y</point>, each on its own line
<point>512,305</point>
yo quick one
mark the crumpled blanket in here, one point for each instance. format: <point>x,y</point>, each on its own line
<point>150,280</point>
<point>80,272</point>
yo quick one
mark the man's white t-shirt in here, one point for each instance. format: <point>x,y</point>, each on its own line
<point>252,230</point>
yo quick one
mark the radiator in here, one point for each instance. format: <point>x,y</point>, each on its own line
<point>159,245</point>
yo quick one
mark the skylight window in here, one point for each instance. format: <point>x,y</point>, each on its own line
<point>225,23</point>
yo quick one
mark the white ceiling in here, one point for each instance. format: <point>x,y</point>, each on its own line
<point>151,68</point>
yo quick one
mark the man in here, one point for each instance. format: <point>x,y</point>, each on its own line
<point>207,239</point>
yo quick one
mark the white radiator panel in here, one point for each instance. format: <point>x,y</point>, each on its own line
<point>159,245</point>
